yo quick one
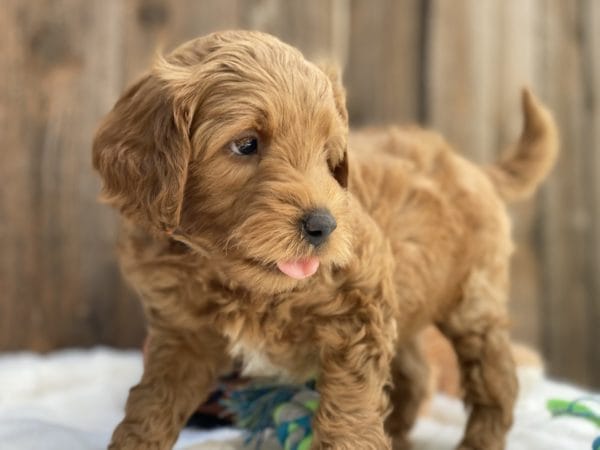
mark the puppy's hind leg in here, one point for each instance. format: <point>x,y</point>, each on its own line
<point>477,330</point>
<point>410,379</point>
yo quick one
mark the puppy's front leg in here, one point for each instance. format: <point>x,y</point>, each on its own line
<point>179,372</point>
<point>353,376</point>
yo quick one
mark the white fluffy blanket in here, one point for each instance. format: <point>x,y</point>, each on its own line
<point>73,399</point>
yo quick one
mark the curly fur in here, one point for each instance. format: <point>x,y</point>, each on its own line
<point>423,237</point>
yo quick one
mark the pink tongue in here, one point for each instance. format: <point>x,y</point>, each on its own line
<point>300,269</point>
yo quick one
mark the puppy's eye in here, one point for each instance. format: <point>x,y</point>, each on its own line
<point>247,145</point>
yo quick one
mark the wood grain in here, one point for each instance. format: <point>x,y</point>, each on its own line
<point>382,73</point>
<point>568,222</point>
<point>456,66</point>
<point>480,56</point>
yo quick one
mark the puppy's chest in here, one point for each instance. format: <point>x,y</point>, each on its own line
<point>255,361</point>
<point>266,347</point>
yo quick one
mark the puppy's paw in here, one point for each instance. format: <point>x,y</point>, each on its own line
<point>353,444</point>
<point>124,439</point>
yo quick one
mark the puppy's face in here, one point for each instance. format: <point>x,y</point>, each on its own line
<point>248,164</point>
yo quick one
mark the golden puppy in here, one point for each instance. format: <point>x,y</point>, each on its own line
<point>258,230</point>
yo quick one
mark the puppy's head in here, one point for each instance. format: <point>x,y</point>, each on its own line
<point>236,145</point>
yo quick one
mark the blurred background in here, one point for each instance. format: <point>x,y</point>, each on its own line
<point>457,66</point>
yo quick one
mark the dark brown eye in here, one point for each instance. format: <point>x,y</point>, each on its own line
<point>244,146</point>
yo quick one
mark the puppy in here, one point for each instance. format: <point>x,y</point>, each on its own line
<point>258,231</point>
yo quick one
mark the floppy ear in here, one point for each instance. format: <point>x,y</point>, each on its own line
<point>340,169</point>
<point>141,151</point>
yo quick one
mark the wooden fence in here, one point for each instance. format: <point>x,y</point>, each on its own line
<point>454,65</point>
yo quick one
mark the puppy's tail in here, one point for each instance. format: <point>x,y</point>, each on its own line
<point>526,163</point>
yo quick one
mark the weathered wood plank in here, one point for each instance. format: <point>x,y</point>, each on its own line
<point>384,62</point>
<point>458,66</point>
<point>64,287</point>
<point>15,226</point>
<point>461,76</point>
<point>317,27</point>
<point>566,223</point>
<point>60,272</point>
<point>479,56</point>
<point>109,308</point>
<point>592,104</point>
<point>515,61</point>
<point>151,26</point>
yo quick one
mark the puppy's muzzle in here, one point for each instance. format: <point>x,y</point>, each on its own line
<point>317,225</point>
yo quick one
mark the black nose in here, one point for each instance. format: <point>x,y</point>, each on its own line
<point>317,226</point>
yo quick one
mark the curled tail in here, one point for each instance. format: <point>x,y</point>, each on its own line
<point>526,163</point>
